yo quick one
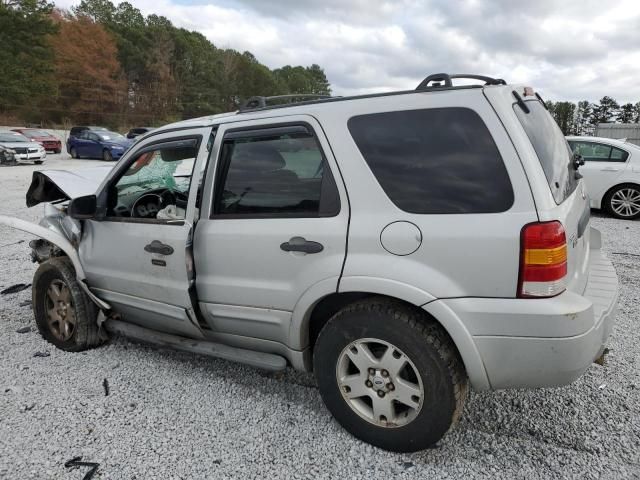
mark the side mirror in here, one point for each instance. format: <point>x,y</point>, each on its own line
<point>82,208</point>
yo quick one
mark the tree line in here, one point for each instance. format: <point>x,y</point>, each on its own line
<point>105,64</point>
<point>582,118</point>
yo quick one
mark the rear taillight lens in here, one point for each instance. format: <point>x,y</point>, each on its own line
<point>543,260</point>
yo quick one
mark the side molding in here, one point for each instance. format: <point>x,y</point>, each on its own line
<point>60,242</point>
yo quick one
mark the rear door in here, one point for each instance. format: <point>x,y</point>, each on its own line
<point>273,226</point>
<point>603,164</point>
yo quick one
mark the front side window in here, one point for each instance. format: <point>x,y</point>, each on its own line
<point>434,161</point>
<point>156,185</point>
<point>598,152</point>
<point>274,172</point>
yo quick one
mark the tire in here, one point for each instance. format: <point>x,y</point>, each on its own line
<point>106,155</point>
<point>56,278</point>
<point>37,162</point>
<point>73,153</point>
<point>424,349</point>
<point>59,150</point>
<point>623,201</point>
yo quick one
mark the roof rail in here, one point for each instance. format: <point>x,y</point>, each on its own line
<point>444,80</point>
<point>261,102</point>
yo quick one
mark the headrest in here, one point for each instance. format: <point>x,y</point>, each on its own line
<point>257,157</point>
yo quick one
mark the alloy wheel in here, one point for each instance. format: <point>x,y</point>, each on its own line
<point>61,317</point>
<point>379,382</point>
<point>626,202</point>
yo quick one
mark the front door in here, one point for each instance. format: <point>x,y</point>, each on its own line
<point>138,257</point>
<point>273,227</point>
<point>602,165</point>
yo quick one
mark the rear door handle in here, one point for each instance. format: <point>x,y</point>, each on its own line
<point>158,247</point>
<point>609,169</point>
<point>300,244</point>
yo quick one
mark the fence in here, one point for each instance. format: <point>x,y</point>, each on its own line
<point>629,131</point>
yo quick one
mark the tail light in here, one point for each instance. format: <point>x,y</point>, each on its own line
<point>543,260</point>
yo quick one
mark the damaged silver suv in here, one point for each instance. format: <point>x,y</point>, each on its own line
<point>402,246</point>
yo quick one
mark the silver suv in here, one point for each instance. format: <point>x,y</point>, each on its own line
<point>402,246</point>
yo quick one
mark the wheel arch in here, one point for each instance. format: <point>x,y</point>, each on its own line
<point>322,310</point>
<point>62,243</point>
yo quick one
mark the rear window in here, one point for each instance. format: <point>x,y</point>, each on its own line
<point>553,151</point>
<point>434,161</point>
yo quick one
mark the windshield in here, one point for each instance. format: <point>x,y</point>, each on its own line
<point>110,136</point>
<point>35,133</point>
<point>552,148</point>
<point>13,137</point>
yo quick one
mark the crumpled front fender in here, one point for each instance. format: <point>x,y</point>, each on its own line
<point>62,243</point>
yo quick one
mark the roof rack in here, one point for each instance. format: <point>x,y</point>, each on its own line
<point>444,80</point>
<point>261,102</point>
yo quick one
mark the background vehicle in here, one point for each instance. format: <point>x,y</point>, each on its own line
<point>102,144</point>
<point>470,258</point>
<point>48,141</point>
<point>611,172</point>
<point>137,131</point>
<point>75,131</point>
<point>7,156</point>
<point>23,148</point>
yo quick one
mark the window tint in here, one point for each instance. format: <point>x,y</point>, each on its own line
<point>551,147</point>
<point>598,152</point>
<point>440,160</point>
<point>283,174</point>
<point>156,184</point>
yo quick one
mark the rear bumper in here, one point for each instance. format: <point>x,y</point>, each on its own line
<point>526,343</point>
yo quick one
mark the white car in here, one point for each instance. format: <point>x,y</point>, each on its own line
<point>611,172</point>
<point>23,148</point>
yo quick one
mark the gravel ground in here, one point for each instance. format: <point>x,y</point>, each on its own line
<point>174,415</point>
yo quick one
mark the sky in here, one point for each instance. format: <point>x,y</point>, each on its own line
<point>566,49</point>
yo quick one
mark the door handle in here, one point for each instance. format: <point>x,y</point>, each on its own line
<point>158,247</point>
<point>300,244</point>
<point>609,169</point>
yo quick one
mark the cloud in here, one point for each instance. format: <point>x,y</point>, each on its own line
<point>573,50</point>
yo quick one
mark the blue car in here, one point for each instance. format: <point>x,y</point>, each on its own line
<point>98,144</point>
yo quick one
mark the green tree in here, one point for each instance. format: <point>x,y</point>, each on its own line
<point>636,113</point>
<point>582,118</point>
<point>626,113</point>
<point>564,113</point>
<point>25,56</point>
<point>605,111</point>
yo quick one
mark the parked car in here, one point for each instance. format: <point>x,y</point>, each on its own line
<point>7,156</point>
<point>48,141</point>
<point>102,144</point>
<point>402,246</point>
<point>23,149</point>
<point>136,132</point>
<point>612,174</point>
<point>76,131</point>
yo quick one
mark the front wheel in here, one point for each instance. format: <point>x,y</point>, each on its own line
<point>74,153</point>
<point>624,202</point>
<point>65,316</point>
<point>390,376</point>
<point>37,162</point>
<point>106,156</point>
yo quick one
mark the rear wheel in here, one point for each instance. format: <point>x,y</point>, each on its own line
<point>65,316</point>
<point>390,376</point>
<point>624,202</point>
<point>106,155</point>
<point>73,152</point>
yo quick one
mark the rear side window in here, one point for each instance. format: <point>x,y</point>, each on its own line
<point>598,152</point>
<point>434,161</point>
<point>552,149</point>
<point>274,172</point>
